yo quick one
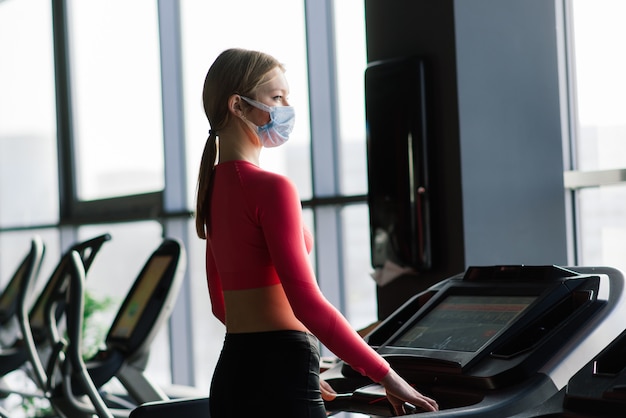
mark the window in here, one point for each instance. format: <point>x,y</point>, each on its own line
<point>359,286</point>
<point>599,32</point>
<point>111,118</point>
<point>28,160</point>
<point>600,141</point>
<point>116,97</point>
<point>351,64</point>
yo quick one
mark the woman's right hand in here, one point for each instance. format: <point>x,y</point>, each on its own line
<point>399,391</point>
<point>328,393</point>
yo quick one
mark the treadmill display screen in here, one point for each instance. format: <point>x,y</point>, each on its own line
<point>127,321</point>
<point>463,322</point>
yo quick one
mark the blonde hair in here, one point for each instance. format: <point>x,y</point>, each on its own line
<point>235,71</point>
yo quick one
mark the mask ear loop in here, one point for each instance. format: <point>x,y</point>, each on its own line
<point>258,105</point>
<point>261,106</point>
<point>250,127</point>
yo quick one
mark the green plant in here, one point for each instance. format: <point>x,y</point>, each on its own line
<point>36,407</point>
<point>95,324</point>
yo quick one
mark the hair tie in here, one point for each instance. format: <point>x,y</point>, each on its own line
<point>212,132</point>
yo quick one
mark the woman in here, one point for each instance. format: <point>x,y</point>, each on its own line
<point>261,284</point>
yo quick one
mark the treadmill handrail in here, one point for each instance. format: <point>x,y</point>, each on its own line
<point>88,251</point>
<point>16,291</point>
<point>73,364</point>
<point>32,342</point>
<point>34,258</point>
<point>68,357</point>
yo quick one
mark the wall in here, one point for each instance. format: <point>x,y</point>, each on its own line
<point>495,124</point>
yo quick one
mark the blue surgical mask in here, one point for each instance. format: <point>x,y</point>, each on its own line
<point>276,131</point>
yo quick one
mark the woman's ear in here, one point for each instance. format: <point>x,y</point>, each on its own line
<point>235,105</point>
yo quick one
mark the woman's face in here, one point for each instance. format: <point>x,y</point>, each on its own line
<point>273,92</point>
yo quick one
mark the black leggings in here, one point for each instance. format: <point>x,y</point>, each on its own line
<point>268,374</point>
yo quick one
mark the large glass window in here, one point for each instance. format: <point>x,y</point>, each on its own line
<point>116,124</point>
<point>116,94</point>
<point>351,64</point>
<point>600,66</point>
<point>598,34</point>
<point>28,159</point>
<point>360,287</point>
<point>603,226</point>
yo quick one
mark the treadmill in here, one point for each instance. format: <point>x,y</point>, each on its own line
<point>144,311</point>
<point>493,342</point>
<point>31,350</point>
<point>597,390</point>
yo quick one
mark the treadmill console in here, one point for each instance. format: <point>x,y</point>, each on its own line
<point>471,338</point>
<point>127,320</point>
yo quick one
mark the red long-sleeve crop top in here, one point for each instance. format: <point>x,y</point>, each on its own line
<point>256,239</point>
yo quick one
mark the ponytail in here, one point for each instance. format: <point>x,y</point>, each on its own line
<point>205,181</point>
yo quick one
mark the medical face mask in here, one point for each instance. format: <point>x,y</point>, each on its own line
<point>276,131</point>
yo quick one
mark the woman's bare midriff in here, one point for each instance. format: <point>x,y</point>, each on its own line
<point>258,310</point>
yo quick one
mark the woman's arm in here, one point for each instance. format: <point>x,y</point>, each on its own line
<point>281,220</point>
